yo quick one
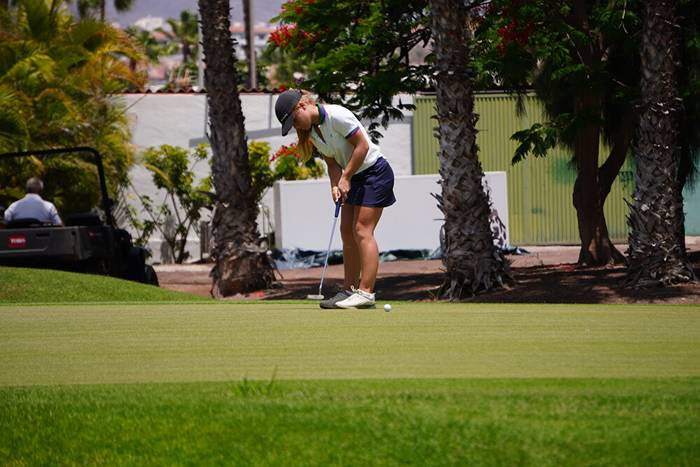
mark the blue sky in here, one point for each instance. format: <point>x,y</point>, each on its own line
<point>263,10</point>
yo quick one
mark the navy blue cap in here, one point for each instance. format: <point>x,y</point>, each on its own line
<point>285,107</point>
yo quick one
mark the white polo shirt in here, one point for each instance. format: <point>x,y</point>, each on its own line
<point>32,207</point>
<point>337,125</point>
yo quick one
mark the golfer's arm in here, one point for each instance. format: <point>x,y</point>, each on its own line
<point>358,154</point>
<point>334,170</point>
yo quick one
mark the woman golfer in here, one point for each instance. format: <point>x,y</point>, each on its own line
<point>360,177</point>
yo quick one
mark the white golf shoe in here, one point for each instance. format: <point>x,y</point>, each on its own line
<point>359,299</point>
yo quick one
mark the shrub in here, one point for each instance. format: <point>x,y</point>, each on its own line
<point>289,167</point>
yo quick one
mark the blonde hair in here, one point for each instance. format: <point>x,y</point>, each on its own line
<point>304,144</point>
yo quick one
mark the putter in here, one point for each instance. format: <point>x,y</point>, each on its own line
<point>328,252</point>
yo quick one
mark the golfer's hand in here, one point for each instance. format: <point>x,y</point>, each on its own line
<point>335,192</point>
<point>344,187</point>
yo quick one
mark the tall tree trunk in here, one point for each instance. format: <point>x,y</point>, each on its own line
<point>622,140</point>
<point>471,260</point>
<point>656,244</point>
<point>186,52</point>
<point>591,186</point>
<point>241,262</point>
<point>590,191</point>
<point>250,43</point>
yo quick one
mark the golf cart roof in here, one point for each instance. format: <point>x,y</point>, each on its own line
<point>106,201</point>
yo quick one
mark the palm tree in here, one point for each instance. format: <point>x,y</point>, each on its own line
<point>150,47</point>
<point>656,244</point>
<point>57,81</point>
<point>241,261</point>
<point>88,7</point>
<point>184,32</point>
<point>471,260</point>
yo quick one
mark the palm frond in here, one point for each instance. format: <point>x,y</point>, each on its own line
<point>31,71</point>
<point>13,129</point>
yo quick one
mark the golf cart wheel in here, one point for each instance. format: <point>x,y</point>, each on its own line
<point>96,266</point>
<point>150,275</point>
<point>136,265</point>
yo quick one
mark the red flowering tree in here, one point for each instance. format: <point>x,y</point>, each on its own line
<point>357,53</point>
<point>580,58</point>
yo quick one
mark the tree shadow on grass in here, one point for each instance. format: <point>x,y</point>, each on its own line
<point>563,283</point>
<point>678,293</point>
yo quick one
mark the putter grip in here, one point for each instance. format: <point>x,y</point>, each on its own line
<point>337,208</point>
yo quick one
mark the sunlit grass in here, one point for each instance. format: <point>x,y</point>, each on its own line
<point>24,285</point>
<point>388,422</point>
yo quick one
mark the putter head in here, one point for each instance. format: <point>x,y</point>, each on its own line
<point>314,297</point>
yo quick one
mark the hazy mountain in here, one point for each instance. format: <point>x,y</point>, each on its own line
<point>263,10</point>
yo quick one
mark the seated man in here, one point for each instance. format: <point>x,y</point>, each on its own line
<point>32,206</point>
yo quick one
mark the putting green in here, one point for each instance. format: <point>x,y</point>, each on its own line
<point>192,342</point>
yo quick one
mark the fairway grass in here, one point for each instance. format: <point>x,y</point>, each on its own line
<point>95,344</point>
<point>288,384</point>
<point>418,422</point>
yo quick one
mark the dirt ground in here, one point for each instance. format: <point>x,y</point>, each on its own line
<point>545,275</point>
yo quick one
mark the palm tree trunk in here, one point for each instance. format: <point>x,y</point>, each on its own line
<point>250,43</point>
<point>472,262</point>
<point>657,247</point>
<point>241,262</point>
<point>186,52</point>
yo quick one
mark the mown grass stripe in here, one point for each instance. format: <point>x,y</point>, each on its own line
<point>172,343</point>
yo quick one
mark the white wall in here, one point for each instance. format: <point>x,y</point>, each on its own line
<point>304,213</point>
<point>180,120</point>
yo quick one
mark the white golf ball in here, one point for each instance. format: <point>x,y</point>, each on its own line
<point>387,307</point>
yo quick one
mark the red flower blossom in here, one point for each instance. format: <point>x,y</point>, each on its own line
<point>514,33</point>
<point>286,151</point>
<point>283,35</point>
<point>289,35</point>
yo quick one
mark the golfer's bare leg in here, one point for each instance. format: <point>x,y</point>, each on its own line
<point>351,253</point>
<point>366,220</point>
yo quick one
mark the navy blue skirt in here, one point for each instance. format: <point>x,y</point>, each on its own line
<point>373,187</point>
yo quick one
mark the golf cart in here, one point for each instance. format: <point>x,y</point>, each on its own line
<point>85,243</point>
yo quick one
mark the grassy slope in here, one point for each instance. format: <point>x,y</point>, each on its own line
<point>420,422</point>
<point>23,285</point>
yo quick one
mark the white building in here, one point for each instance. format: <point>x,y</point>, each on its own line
<point>261,33</point>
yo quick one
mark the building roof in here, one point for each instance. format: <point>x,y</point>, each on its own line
<point>197,90</point>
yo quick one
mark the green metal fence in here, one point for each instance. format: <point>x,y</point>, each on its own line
<point>540,208</point>
<point>691,206</point>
